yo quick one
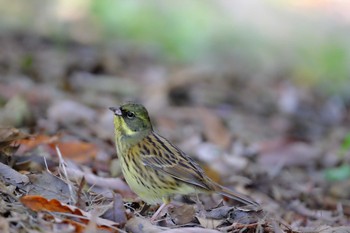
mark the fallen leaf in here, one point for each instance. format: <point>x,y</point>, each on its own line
<point>8,140</point>
<point>209,223</point>
<point>214,129</point>
<point>33,163</point>
<point>80,152</point>
<point>39,204</point>
<point>9,134</point>
<point>181,215</point>
<point>12,176</point>
<point>226,215</point>
<point>34,141</point>
<point>78,227</point>
<point>117,213</point>
<point>221,212</point>
<point>141,225</point>
<point>49,186</point>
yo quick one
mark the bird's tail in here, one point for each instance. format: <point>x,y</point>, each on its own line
<point>238,197</point>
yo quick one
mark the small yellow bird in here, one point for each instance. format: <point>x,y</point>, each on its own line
<point>154,168</point>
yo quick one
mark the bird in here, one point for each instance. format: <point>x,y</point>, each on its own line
<point>154,168</point>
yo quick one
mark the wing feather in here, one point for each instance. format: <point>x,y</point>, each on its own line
<point>171,160</point>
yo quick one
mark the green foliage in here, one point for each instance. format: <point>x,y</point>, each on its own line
<point>339,173</point>
<point>342,172</point>
<point>325,65</point>
<point>27,62</point>
<point>345,146</point>
<point>177,30</point>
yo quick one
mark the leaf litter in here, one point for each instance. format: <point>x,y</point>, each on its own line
<point>283,146</point>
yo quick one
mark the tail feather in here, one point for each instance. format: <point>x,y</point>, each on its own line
<point>237,196</point>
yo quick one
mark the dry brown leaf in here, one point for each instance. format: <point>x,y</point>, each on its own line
<point>8,139</point>
<point>80,152</point>
<point>33,142</point>
<point>8,134</point>
<point>39,204</point>
<point>214,129</point>
<point>181,215</point>
<point>78,227</point>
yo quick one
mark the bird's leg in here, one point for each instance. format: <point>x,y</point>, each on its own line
<point>155,216</point>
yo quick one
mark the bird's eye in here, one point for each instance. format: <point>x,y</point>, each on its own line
<point>130,115</point>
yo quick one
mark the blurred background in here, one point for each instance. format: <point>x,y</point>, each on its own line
<point>269,79</point>
<point>266,57</point>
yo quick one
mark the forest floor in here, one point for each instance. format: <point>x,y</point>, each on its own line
<point>285,146</point>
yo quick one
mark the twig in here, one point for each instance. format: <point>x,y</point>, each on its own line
<point>63,167</point>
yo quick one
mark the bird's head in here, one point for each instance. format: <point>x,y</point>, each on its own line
<point>131,121</point>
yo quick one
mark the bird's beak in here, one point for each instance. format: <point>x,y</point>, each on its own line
<point>116,110</point>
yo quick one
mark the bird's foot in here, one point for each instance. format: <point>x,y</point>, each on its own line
<point>155,216</point>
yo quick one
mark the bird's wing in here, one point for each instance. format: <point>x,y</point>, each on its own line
<point>161,155</point>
